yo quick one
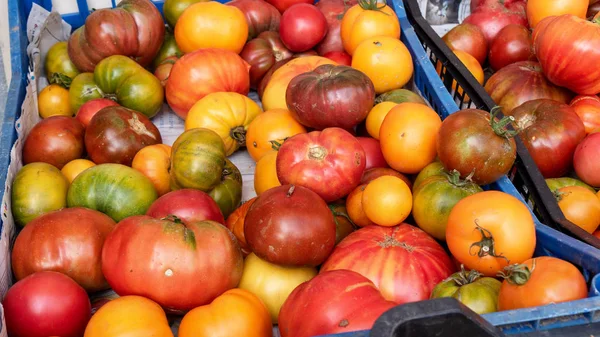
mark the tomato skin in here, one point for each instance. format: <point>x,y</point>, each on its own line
<point>550,280</point>
<point>434,169</point>
<point>491,213</point>
<point>174,8</point>
<point>302,27</point>
<point>343,224</point>
<point>492,18</point>
<point>163,71</point>
<point>334,11</point>
<point>354,206</point>
<point>188,205</point>
<point>373,154</point>
<point>511,45</point>
<point>228,193</point>
<point>538,10</point>
<point>469,39</point>
<point>283,5</point>
<point>74,167</point>
<point>154,162</point>
<point>554,184</point>
<point>235,223</point>
<point>53,100</point>
<point>585,160</point>
<point>260,15</point>
<point>587,108</point>
<point>168,49</point>
<point>376,172</point>
<point>265,173</point>
<point>478,293</point>
<point>340,57</point>
<point>329,162</point>
<point>88,109</point>
<point>262,53</point>
<point>83,89</point>
<point>68,241</point>
<point>399,96</point>
<point>58,62</point>
<point>269,130</point>
<point>387,200</point>
<point>580,206</point>
<point>362,22</point>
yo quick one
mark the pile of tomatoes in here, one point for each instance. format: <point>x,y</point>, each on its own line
<point>544,57</point>
<point>365,198</point>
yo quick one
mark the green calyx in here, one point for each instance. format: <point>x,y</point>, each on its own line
<point>501,127</point>
<point>464,277</point>
<point>454,178</point>
<point>61,79</point>
<point>517,274</point>
<point>373,5</point>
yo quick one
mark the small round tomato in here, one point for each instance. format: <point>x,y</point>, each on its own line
<point>74,167</point>
<point>580,206</point>
<point>339,57</point>
<point>269,130</point>
<point>154,162</point>
<point>265,173</point>
<point>387,201</point>
<point>354,206</point>
<point>365,20</point>
<point>302,27</point>
<point>54,101</point>
<point>385,60</point>
<point>376,116</point>
<point>489,230</point>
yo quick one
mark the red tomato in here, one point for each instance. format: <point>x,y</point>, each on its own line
<point>469,39</point>
<point>586,160</point>
<point>45,304</point>
<point>513,44</point>
<point>587,108</point>
<point>373,152</point>
<point>89,109</point>
<point>334,11</point>
<point>340,57</point>
<point>302,27</point>
<point>491,19</point>
<point>188,205</point>
<point>282,5</point>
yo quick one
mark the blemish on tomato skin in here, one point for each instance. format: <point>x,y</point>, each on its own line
<point>344,323</point>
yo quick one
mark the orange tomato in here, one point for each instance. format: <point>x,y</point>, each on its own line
<point>211,25</point>
<point>408,137</point>
<point>131,316</point>
<point>387,201</point>
<point>235,223</point>
<point>74,167</point>
<point>268,131</point>
<point>386,61</point>
<point>489,230</point>
<point>354,207</point>
<point>472,65</point>
<point>154,162</point>
<point>376,116</point>
<point>53,100</point>
<point>597,234</point>
<point>265,173</point>
<point>366,20</point>
<point>540,281</point>
<point>236,312</point>
<point>537,10</point>
<point>580,206</point>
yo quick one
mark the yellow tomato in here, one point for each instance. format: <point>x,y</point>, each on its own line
<point>387,201</point>
<point>154,162</point>
<point>385,60</point>
<point>54,101</point>
<point>366,20</point>
<point>376,117</point>
<point>74,167</point>
<point>265,173</point>
<point>268,131</point>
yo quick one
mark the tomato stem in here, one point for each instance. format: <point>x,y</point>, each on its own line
<point>342,214</point>
<point>500,127</point>
<point>173,218</point>
<point>373,5</point>
<point>238,134</point>
<point>465,277</point>
<point>517,274</point>
<point>61,79</point>
<point>454,178</point>
<point>317,153</point>
<point>276,144</point>
<point>291,191</point>
<point>486,245</point>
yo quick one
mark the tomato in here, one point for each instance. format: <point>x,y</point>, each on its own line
<point>302,27</point>
<point>387,201</point>
<point>68,241</point>
<point>373,154</point>
<point>469,39</point>
<point>53,100</point>
<point>174,8</point>
<point>472,65</point>
<point>235,223</point>
<point>329,162</point>
<point>540,281</point>
<point>58,65</point>
<point>163,71</point>
<point>262,53</point>
<point>489,230</point>
<point>228,114</point>
<point>366,20</point>
<point>334,11</point>
<point>265,173</point>
<point>236,312</point>
<point>228,193</point>
<point>169,48</point>
<point>588,110</point>
<point>586,161</point>
<point>434,169</point>
<point>386,61</point>
<point>343,224</point>
<point>333,302</point>
<point>318,99</point>
<point>376,172</point>
<point>180,266</point>
<point>46,304</point>
<point>511,45</point>
<point>556,183</point>
<point>144,317</point>
<point>83,89</point>
<point>376,116</point>
<point>55,140</point>
<point>269,130</point>
<point>211,25</point>
<point>282,5</point>
<point>568,42</point>
<point>374,252</point>
<point>354,205</point>
<point>38,188</point>
<point>408,136</point>
<point>202,72</point>
<point>537,10</point>
<point>89,109</point>
<point>580,206</point>
<point>260,15</point>
<point>597,234</point>
<point>339,57</point>
<point>399,96</point>
<point>187,206</point>
<point>492,18</point>
<point>113,189</point>
<point>73,168</point>
<point>290,225</point>
<point>154,162</point>
<point>135,28</point>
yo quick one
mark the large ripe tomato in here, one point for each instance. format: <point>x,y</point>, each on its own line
<point>569,50</point>
<point>236,312</point>
<point>586,160</point>
<point>113,189</point>
<point>53,100</point>
<point>135,28</point>
<point>469,39</point>
<point>489,230</point>
<point>87,110</point>
<point>55,140</point>
<point>366,20</point>
<point>386,61</point>
<point>144,317</point>
<point>59,68</point>
<point>202,72</point>
<point>46,304</point>
<point>269,130</point>
<point>408,136</point>
<point>580,206</point>
<point>272,283</point>
<point>333,302</point>
<point>174,8</point>
<point>187,205</point>
<point>154,162</point>
<point>38,188</point>
<point>68,241</point>
<point>265,173</point>
<point>373,154</point>
<point>334,11</point>
<point>228,114</point>
<point>537,10</point>
<point>520,82</point>
<point>386,256</point>
<point>491,19</point>
<point>319,99</point>
<point>477,144</point>
<point>180,266</point>
<point>262,53</point>
<point>540,281</point>
<point>283,5</point>
<point>260,15</point>
<point>235,223</point>
<point>511,45</point>
<point>116,134</point>
<point>329,162</point>
<point>587,108</point>
<point>290,225</point>
<point>302,27</point>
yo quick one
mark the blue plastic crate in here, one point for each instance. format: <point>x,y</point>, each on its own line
<point>549,242</point>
